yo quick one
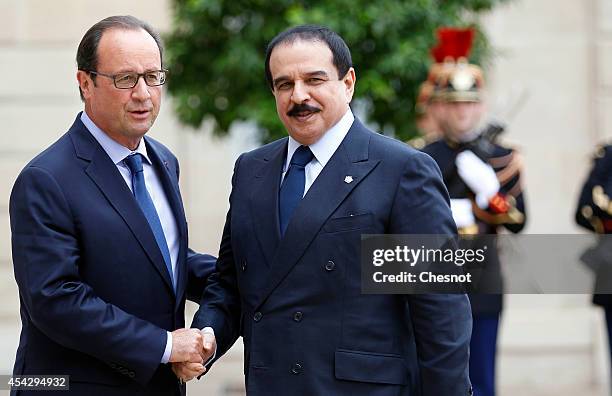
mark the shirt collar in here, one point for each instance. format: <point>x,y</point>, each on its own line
<point>326,146</point>
<point>115,151</point>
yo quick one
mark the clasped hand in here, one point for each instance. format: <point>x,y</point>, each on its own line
<point>191,350</point>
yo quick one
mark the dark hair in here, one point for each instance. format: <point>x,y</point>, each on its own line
<point>340,51</point>
<point>87,53</point>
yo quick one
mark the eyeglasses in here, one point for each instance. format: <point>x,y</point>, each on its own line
<point>152,78</point>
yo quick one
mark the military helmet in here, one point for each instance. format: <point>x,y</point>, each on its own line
<point>454,78</point>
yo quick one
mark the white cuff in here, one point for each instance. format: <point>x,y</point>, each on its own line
<point>168,351</point>
<point>210,330</point>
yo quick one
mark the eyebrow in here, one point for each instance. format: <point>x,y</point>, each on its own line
<point>129,70</point>
<point>318,73</point>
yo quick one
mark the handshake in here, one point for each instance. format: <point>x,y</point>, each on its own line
<point>191,350</point>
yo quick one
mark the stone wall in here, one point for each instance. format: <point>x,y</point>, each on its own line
<point>554,58</point>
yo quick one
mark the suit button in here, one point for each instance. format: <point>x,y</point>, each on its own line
<point>330,265</point>
<point>297,316</point>
<point>244,265</point>
<point>257,317</point>
<point>296,369</point>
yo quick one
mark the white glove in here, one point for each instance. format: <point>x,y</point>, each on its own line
<point>462,212</point>
<point>479,177</point>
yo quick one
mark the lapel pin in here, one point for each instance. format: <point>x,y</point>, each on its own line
<point>348,179</point>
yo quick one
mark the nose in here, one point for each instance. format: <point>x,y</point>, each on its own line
<point>300,92</point>
<point>141,90</point>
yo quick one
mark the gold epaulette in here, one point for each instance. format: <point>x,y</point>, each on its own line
<point>419,142</point>
<point>601,199</point>
<point>600,150</point>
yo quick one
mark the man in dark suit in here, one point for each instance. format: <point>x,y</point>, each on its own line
<point>99,235</point>
<point>288,275</point>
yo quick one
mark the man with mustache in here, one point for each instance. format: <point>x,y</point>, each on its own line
<point>99,235</point>
<point>288,276</point>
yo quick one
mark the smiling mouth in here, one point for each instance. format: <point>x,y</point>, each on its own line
<point>304,115</point>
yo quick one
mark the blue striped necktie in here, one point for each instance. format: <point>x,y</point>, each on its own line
<point>139,188</point>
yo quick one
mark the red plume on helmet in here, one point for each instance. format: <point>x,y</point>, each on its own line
<point>454,78</point>
<point>453,43</point>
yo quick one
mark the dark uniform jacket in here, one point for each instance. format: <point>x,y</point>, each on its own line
<point>594,211</point>
<point>506,164</point>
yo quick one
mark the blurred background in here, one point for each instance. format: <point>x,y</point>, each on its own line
<point>552,57</point>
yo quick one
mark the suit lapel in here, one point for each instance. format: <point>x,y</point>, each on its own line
<point>325,195</point>
<point>264,200</point>
<point>169,181</point>
<point>106,176</point>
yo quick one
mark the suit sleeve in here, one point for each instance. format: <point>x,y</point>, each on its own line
<point>199,266</point>
<point>46,259</point>
<point>442,323</point>
<point>220,305</point>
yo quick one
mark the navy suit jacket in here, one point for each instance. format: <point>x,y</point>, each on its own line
<point>297,301</point>
<point>96,297</point>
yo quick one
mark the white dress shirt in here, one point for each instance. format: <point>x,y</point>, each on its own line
<point>117,154</point>
<point>322,149</point>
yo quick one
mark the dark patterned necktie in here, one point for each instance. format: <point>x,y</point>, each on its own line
<point>292,189</point>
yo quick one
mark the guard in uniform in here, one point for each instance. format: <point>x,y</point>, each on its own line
<point>594,213</point>
<point>484,182</point>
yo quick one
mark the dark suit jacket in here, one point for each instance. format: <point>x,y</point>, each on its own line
<point>297,301</point>
<point>96,297</point>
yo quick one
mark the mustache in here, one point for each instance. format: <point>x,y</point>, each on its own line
<point>301,108</point>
